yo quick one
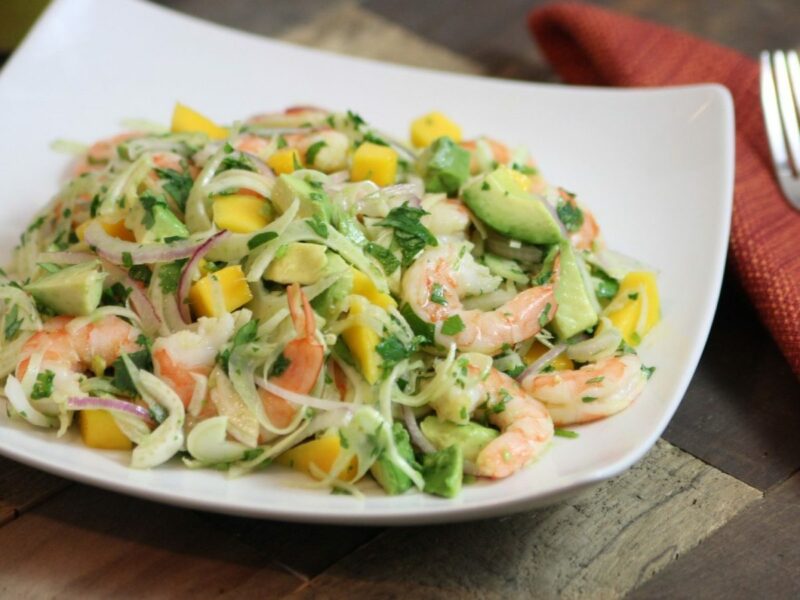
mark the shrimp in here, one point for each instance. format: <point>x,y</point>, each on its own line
<point>500,153</point>
<point>525,425</point>
<point>434,283</point>
<point>101,152</point>
<point>447,218</point>
<point>303,357</point>
<point>330,156</point>
<point>593,392</point>
<point>180,357</point>
<point>69,353</point>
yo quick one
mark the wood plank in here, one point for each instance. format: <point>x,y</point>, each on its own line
<point>741,412</point>
<point>87,542</point>
<point>601,544</point>
<point>348,29</point>
<point>756,555</point>
<point>22,488</point>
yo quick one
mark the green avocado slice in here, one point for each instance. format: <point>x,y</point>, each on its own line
<point>497,200</point>
<point>73,291</point>
<point>576,311</point>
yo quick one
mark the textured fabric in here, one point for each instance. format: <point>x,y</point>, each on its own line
<point>592,46</point>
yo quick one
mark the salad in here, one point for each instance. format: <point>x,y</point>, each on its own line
<point>301,289</point>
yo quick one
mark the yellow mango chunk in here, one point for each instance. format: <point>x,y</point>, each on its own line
<point>636,290</point>
<point>188,120</point>
<point>116,229</point>
<point>284,161</point>
<point>232,284</point>
<point>99,430</point>
<point>364,286</point>
<point>426,129</point>
<point>240,213</point>
<point>375,162</point>
<point>362,342</point>
<point>322,453</point>
<point>561,362</point>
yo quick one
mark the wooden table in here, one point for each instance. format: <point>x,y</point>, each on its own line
<point>713,510</point>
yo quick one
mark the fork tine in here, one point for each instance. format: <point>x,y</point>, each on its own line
<point>772,117</point>
<point>791,129</point>
<point>793,63</point>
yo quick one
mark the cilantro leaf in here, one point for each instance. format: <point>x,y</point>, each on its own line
<point>313,150</point>
<point>279,366</point>
<point>318,226</point>
<point>149,201</point>
<point>571,216</point>
<point>140,273</point>
<point>235,162</point>
<point>453,325</point>
<point>409,233</point>
<point>388,260</point>
<point>122,378</point>
<point>43,386</point>
<point>437,294</point>
<point>261,238</point>
<point>169,275</point>
<point>178,185</point>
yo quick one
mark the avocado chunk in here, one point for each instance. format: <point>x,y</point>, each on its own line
<point>498,201</point>
<point>308,189</point>
<point>300,262</point>
<point>444,167</point>
<point>330,303</point>
<point>385,472</point>
<point>471,438</point>
<point>151,220</point>
<point>443,471</point>
<point>576,311</point>
<point>73,291</point>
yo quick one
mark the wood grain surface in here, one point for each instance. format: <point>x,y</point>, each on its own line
<point>713,511</point>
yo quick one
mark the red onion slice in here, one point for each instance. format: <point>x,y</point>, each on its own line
<point>536,366</point>
<point>185,281</point>
<point>419,439</point>
<point>94,403</point>
<point>113,249</point>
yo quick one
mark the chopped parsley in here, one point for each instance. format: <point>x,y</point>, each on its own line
<point>606,287</point>
<point>388,260</point>
<point>598,379</point>
<point>235,162</point>
<point>122,378</point>
<point>437,294</point>
<point>411,235</point>
<point>244,335</point>
<point>374,139</point>
<point>500,406</point>
<point>261,238</point>
<point>127,260</point>
<point>279,366</point>
<point>140,273</point>
<point>116,294</point>
<point>571,216</point>
<point>485,186</point>
<point>453,325</point>
<point>587,399</point>
<point>648,371</point>
<point>313,150</point>
<point>633,296</point>
<point>94,205</point>
<point>343,441</point>
<point>169,276</point>
<point>355,119</point>
<point>525,169</point>
<point>296,166</point>
<point>178,185</point>
<point>281,142</point>
<point>149,202</point>
<point>393,351</point>
<point>43,386</point>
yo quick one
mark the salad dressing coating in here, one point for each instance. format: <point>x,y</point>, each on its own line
<point>302,288</point>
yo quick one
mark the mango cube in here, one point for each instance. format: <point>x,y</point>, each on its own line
<point>362,342</point>
<point>428,128</point>
<point>188,120</point>
<point>284,161</point>
<point>240,213</point>
<point>635,290</point>
<point>375,162</point>
<point>364,286</point>
<point>232,285</point>
<point>116,229</point>
<point>100,430</point>
<point>561,362</point>
<point>322,452</point>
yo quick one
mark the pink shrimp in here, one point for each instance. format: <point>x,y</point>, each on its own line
<point>433,284</point>
<point>500,153</point>
<point>525,425</point>
<point>304,356</point>
<point>64,351</point>
<point>101,152</point>
<point>589,232</point>
<point>592,392</point>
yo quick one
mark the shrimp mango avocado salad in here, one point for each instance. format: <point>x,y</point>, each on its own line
<point>302,289</point>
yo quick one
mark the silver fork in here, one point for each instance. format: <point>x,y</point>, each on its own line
<point>780,101</point>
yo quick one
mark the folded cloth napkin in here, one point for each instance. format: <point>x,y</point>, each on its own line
<point>592,46</point>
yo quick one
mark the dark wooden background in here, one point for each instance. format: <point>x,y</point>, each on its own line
<point>712,511</point>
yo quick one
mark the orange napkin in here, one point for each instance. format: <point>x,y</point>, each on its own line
<point>592,46</point>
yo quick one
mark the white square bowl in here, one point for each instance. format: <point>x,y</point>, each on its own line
<point>655,165</point>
